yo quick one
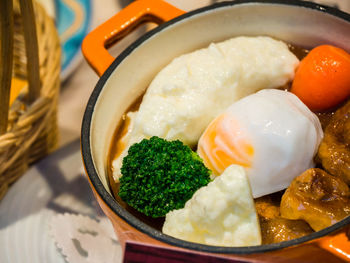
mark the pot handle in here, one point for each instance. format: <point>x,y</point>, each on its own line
<point>95,44</point>
<point>338,243</point>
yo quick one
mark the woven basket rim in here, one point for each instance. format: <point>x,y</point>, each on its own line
<point>32,131</point>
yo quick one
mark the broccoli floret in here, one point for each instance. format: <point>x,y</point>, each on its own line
<point>159,176</point>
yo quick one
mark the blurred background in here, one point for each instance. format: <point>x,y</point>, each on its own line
<point>55,186</point>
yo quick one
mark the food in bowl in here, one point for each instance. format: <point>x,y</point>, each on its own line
<point>221,213</point>
<point>323,197</point>
<point>185,98</point>
<point>159,171</point>
<point>194,88</point>
<point>271,133</point>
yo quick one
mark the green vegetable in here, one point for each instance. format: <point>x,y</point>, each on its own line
<point>159,176</point>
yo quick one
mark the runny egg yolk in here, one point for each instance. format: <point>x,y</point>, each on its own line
<point>225,142</point>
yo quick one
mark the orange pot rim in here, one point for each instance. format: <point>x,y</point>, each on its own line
<point>109,200</point>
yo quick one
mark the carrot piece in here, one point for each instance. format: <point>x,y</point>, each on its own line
<point>322,79</point>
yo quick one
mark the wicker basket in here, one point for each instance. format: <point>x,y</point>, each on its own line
<point>32,130</point>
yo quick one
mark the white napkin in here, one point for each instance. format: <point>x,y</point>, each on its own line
<point>81,239</point>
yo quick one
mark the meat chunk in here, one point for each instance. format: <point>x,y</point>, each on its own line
<point>280,229</point>
<point>334,150</point>
<point>316,197</point>
<point>274,228</point>
<point>267,206</point>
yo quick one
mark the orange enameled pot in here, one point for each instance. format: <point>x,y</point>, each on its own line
<point>125,78</point>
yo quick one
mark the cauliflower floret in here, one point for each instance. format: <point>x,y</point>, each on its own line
<point>219,214</point>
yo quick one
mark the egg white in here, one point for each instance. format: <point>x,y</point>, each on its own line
<point>283,133</point>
